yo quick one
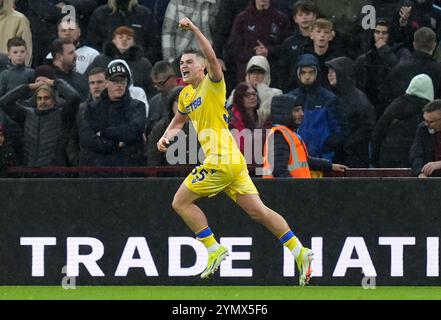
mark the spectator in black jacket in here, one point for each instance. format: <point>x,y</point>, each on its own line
<point>322,47</point>
<point>97,84</point>
<point>43,16</point>
<point>116,13</point>
<point>46,124</point>
<point>395,130</point>
<point>420,62</point>
<point>63,63</point>
<point>425,153</point>
<point>111,131</point>
<point>412,15</point>
<point>85,54</point>
<point>358,111</point>
<point>124,46</point>
<point>375,65</point>
<point>304,13</point>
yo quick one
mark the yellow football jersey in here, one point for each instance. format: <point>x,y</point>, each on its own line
<point>205,106</point>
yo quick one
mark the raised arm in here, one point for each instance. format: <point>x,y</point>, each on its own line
<point>213,66</point>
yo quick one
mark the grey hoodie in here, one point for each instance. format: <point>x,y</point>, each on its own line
<point>421,86</point>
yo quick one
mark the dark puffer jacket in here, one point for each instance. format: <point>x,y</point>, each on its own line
<point>374,66</point>
<point>395,130</point>
<point>281,113</point>
<point>117,122</point>
<point>45,132</point>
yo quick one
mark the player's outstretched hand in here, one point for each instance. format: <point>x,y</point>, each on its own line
<point>163,144</point>
<point>186,24</point>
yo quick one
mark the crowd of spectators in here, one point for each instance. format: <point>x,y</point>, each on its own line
<point>97,89</point>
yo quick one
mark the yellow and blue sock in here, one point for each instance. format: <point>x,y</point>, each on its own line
<point>206,236</point>
<point>289,240</point>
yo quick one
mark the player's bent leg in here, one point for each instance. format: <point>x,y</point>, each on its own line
<point>183,204</point>
<point>195,219</point>
<point>257,210</point>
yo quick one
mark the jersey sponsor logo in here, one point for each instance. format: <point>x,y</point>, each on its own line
<point>194,105</point>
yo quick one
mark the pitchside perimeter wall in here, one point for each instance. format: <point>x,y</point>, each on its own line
<point>124,232</point>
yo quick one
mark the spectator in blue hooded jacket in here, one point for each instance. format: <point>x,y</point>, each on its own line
<point>323,125</point>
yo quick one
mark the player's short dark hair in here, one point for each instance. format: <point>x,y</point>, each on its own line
<point>424,39</point>
<point>197,52</point>
<point>435,105</point>
<point>58,46</point>
<point>16,42</point>
<point>306,6</point>
<point>97,70</point>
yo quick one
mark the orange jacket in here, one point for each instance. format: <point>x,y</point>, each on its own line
<point>298,159</point>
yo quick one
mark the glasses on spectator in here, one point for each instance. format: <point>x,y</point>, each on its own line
<point>430,122</point>
<point>250,94</point>
<point>161,83</point>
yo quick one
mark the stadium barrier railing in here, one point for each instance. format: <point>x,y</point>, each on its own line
<point>179,171</point>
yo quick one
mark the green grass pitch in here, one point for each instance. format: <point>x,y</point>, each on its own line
<point>217,293</point>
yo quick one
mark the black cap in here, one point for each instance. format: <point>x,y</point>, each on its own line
<point>117,69</point>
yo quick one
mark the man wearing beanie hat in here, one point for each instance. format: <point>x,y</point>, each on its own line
<point>111,130</point>
<point>394,131</point>
<point>285,153</point>
<point>46,123</point>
